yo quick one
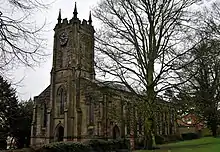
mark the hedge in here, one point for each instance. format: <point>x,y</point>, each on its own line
<point>159,139</point>
<point>96,145</point>
<point>190,136</point>
<point>64,147</point>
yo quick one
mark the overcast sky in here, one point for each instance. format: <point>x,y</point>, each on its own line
<point>37,79</point>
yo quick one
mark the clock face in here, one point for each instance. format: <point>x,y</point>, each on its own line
<point>63,38</point>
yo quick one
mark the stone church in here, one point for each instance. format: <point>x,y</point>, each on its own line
<point>76,106</point>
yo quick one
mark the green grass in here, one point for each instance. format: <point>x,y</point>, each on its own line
<point>207,144</point>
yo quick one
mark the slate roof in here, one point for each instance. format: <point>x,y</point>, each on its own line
<point>44,96</point>
<point>112,84</point>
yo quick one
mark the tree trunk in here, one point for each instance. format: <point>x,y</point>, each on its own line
<point>149,140</point>
<point>214,129</point>
<point>153,140</point>
<point>148,143</point>
<point>150,84</point>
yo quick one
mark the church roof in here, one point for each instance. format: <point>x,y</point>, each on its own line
<point>44,96</point>
<point>112,84</point>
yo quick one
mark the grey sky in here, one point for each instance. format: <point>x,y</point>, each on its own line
<point>37,79</point>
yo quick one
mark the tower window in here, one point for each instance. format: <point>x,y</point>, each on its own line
<point>61,99</point>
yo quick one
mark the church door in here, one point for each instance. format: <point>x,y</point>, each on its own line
<point>60,133</point>
<point>116,132</point>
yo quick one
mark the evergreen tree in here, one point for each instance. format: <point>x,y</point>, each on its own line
<point>22,132</point>
<point>8,110</point>
<point>203,89</point>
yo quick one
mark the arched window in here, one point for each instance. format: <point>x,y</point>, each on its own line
<point>45,115</point>
<point>61,99</point>
<point>116,132</point>
<point>91,110</point>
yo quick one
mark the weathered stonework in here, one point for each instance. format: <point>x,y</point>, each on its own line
<point>75,106</point>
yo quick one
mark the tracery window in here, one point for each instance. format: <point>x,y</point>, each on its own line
<point>61,94</point>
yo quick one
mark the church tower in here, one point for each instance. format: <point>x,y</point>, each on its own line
<point>74,45</point>
<point>77,107</point>
<point>73,60</point>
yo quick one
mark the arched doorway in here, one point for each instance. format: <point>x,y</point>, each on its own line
<point>60,133</point>
<point>116,132</point>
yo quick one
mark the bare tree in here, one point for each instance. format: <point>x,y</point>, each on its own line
<point>140,43</point>
<point>203,87</point>
<point>20,39</point>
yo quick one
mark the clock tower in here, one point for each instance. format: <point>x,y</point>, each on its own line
<point>74,45</point>
<point>73,60</point>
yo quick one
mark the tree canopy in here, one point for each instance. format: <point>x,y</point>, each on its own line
<point>8,108</point>
<point>203,88</point>
<point>144,44</point>
<point>15,116</point>
<point>21,40</point>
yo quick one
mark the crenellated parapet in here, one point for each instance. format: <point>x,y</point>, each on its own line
<point>75,21</point>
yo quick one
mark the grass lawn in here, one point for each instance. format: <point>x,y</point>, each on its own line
<point>207,144</point>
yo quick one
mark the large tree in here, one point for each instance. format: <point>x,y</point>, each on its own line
<point>22,128</point>
<point>139,44</point>
<point>8,109</point>
<point>15,117</point>
<point>21,41</point>
<point>204,85</point>
<point>202,89</point>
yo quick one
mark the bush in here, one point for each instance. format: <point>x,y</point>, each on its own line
<point>162,139</point>
<point>140,142</point>
<point>172,138</point>
<point>64,147</point>
<point>206,132</point>
<point>159,139</point>
<point>96,145</point>
<point>3,144</point>
<point>190,136</point>
<point>99,145</point>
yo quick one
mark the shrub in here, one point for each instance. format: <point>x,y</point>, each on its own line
<point>64,147</point>
<point>96,145</point>
<point>99,145</point>
<point>159,139</point>
<point>3,144</point>
<point>206,132</point>
<point>189,136</point>
<point>172,138</point>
